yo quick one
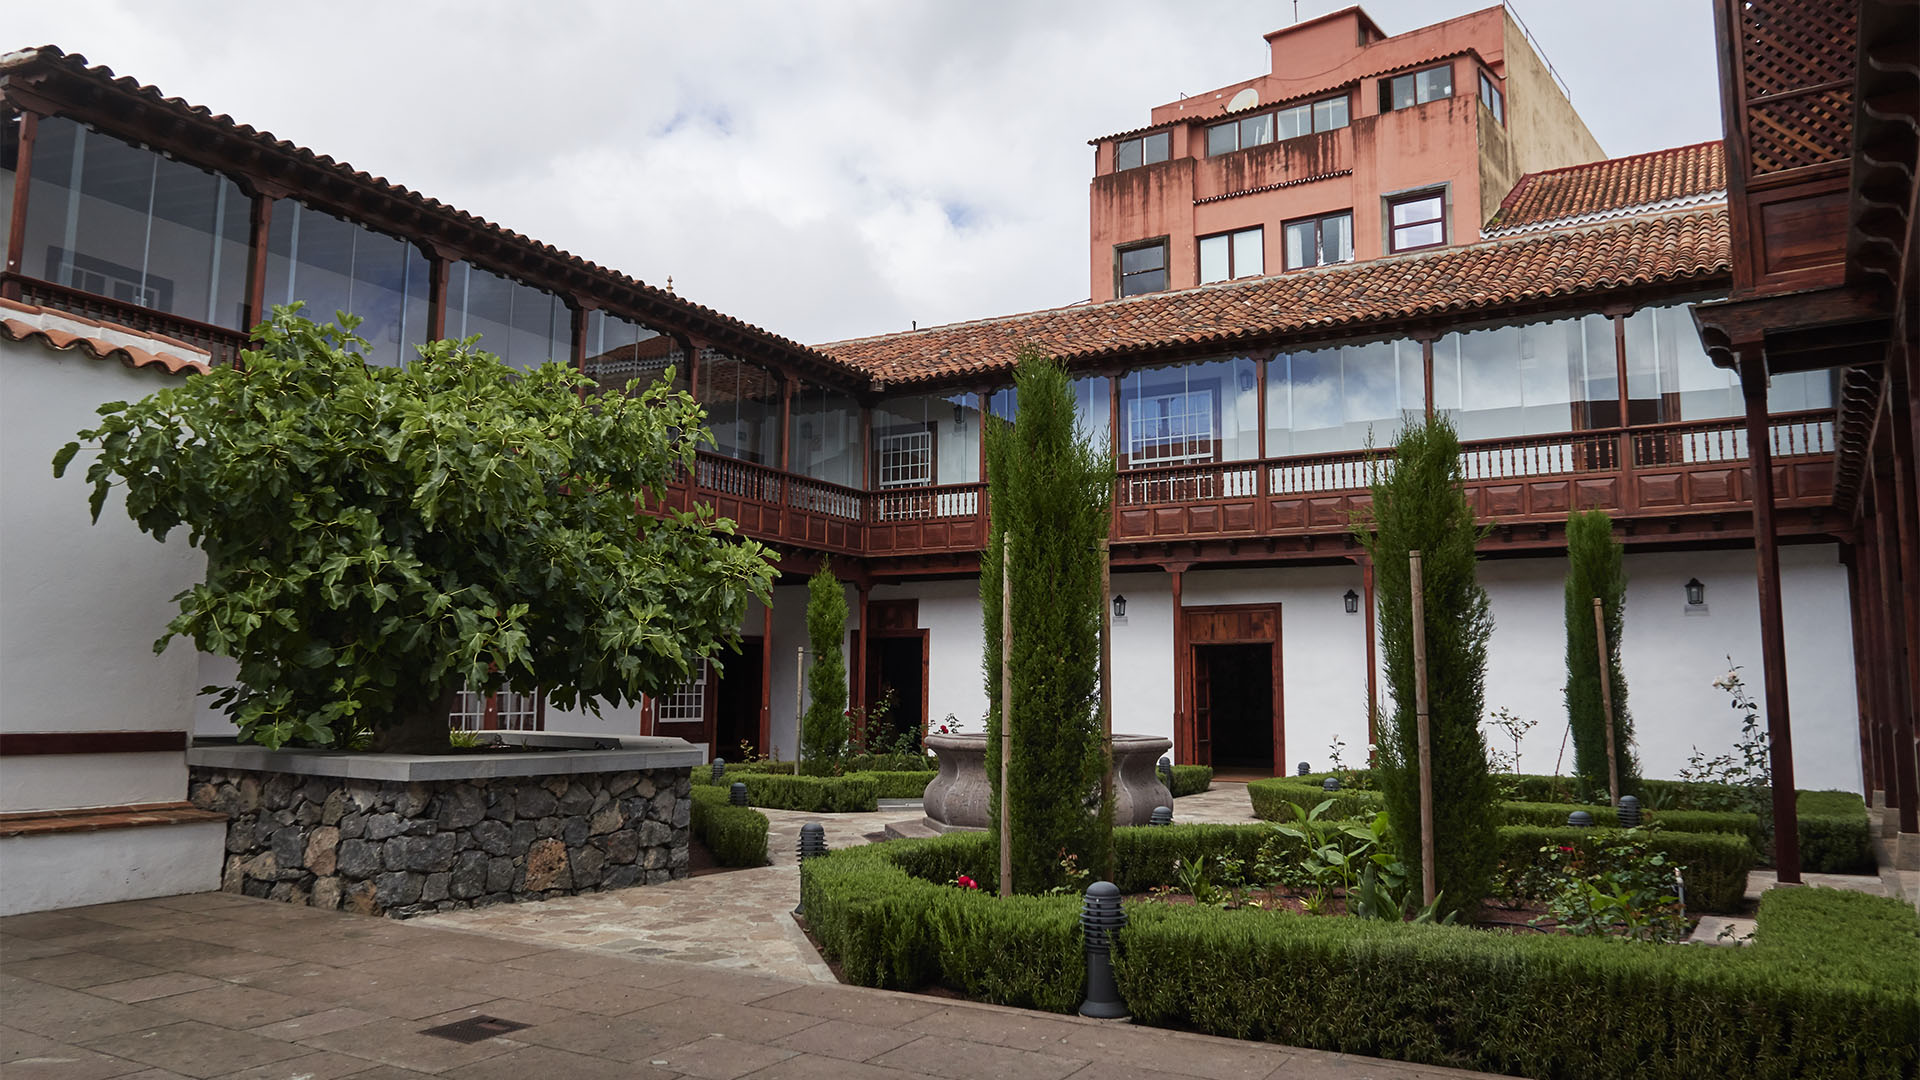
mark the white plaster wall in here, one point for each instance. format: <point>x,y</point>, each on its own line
<point>61,870</point>
<point>81,604</point>
<point>950,614</point>
<point>1143,656</point>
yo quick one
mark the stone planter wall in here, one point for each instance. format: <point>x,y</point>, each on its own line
<point>396,848</point>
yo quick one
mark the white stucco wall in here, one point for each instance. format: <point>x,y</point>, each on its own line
<point>81,604</point>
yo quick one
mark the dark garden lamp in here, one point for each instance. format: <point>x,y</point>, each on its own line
<point>1119,606</point>
<point>1628,811</point>
<point>813,841</point>
<point>1098,921</point>
<point>1353,601</point>
<point>719,769</point>
<point>1331,783</point>
<point>1166,773</point>
<point>737,794</point>
<point>1580,819</point>
<point>1303,768</point>
<point>1162,815</point>
<point>1696,592</point>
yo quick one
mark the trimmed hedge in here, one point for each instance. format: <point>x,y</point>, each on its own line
<point>734,835</point>
<point>1830,986</point>
<point>813,794</point>
<point>1191,779</point>
<point>1270,798</point>
<point>1547,815</point>
<point>1836,835</point>
<point>1716,864</point>
<point>896,785</point>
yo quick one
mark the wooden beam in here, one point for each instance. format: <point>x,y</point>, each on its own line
<point>17,213</point>
<point>1773,634</point>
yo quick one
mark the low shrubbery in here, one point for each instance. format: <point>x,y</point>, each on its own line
<point>1191,779</point>
<point>1830,986</point>
<point>854,792</point>
<point>1836,835</point>
<point>733,835</point>
<point>896,785</point>
<point>1272,798</point>
<point>1715,864</point>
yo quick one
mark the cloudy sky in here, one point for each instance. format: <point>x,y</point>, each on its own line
<point>826,169</point>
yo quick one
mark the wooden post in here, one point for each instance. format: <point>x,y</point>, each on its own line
<point>1606,697</point>
<point>1427,884</point>
<point>1373,662</point>
<point>1006,714</point>
<point>1773,632</point>
<point>1106,692</point>
<point>799,703</point>
<point>17,212</point>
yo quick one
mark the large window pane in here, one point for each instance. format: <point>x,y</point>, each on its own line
<point>1336,239</point>
<point>1202,411</point>
<point>522,325</point>
<point>620,350</point>
<point>1532,379</point>
<point>1092,395</point>
<point>334,265</point>
<point>1215,259</point>
<point>947,425</point>
<point>1257,130</point>
<point>1223,139</point>
<point>1249,258</point>
<point>1327,400</point>
<point>1330,114</point>
<point>1295,122</point>
<point>825,436</point>
<point>1435,83</point>
<point>9,166</point>
<point>111,218</point>
<point>1156,147</point>
<point>743,407</point>
<point>1671,378</point>
<point>1126,154</point>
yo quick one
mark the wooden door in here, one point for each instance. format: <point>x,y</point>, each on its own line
<point>1232,624</point>
<point>1202,709</point>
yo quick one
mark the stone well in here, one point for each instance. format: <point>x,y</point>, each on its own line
<point>400,834</point>
<point>957,798</point>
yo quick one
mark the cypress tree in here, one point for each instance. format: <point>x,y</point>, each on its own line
<point>1050,493</point>
<point>824,731</point>
<point>1595,567</point>
<point>1418,504</point>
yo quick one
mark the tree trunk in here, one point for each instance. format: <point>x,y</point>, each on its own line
<point>421,729</point>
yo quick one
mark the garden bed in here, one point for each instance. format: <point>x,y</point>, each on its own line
<point>1829,987</point>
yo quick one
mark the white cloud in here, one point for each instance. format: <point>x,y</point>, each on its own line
<point>825,170</point>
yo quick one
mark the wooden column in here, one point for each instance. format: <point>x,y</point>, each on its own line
<point>865,595</point>
<point>259,229</point>
<point>786,419</point>
<point>766,684</point>
<point>1260,392</point>
<point>692,347</point>
<point>1773,633</point>
<point>17,213</point>
<point>1426,375</point>
<point>1373,660</point>
<point>439,270</point>
<point>1629,496</point>
<point>1863,704</point>
<point>1907,533</point>
<point>577,338</point>
<point>986,404</point>
<point>1185,747</point>
<point>1898,711</point>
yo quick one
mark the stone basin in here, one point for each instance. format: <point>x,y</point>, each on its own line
<point>957,798</point>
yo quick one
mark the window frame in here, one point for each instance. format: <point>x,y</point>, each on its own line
<point>1233,248</point>
<point>1438,194</point>
<point>1387,83</point>
<point>1165,138</point>
<point>1493,97</point>
<point>1310,107</point>
<point>1131,421</point>
<point>1120,275</point>
<point>1319,221</point>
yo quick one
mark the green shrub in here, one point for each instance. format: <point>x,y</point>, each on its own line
<point>812,794</point>
<point>1836,835</point>
<point>1191,779</point>
<point>1273,799</point>
<point>824,726</point>
<point>1595,568</point>
<point>1711,821</point>
<point>734,835</point>
<point>1716,864</point>
<point>1549,815</point>
<point>1420,505</point>
<point>890,763</point>
<point>895,785</point>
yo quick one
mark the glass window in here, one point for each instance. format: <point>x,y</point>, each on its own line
<point>110,218</point>
<point>523,326</point>
<point>1232,255</point>
<point>1146,150</point>
<point>1207,410</point>
<point>1143,269</point>
<point>824,439</point>
<point>1092,395</point>
<point>743,407</point>
<point>1295,122</point>
<point>1417,221</point>
<point>620,350</point>
<point>9,165</point>
<point>1490,97</point>
<point>1126,155</point>
<point>1332,399</point>
<point>948,425</point>
<point>1416,88</point>
<point>1434,83</point>
<point>1320,241</point>
<point>1288,123</point>
<point>334,265</point>
<point>1257,130</point>
<point>1004,404</point>
<point>1223,139</point>
<point>1670,377</point>
<point>1330,113</point>
<point>1533,379</point>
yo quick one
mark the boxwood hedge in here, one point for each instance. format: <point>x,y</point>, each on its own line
<point>1830,986</point>
<point>1836,835</point>
<point>734,835</point>
<point>1191,779</point>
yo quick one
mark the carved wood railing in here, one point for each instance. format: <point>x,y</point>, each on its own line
<point>1791,435</point>
<point>222,343</point>
<point>1159,484</point>
<point>927,503</point>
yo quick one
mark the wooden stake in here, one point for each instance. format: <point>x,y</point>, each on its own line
<point>799,704</point>
<point>1606,696</point>
<point>1106,693</point>
<point>1006,715</point>
<point>1428,890</point>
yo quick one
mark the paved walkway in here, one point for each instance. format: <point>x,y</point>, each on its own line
<point>214,985</point>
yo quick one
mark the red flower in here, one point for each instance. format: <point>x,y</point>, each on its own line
<point>966,882</point>
<point>1568,848</point>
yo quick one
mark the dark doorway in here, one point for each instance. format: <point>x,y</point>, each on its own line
<point>736,708</point>
<point>1234,683</point>
<point>896,673</point>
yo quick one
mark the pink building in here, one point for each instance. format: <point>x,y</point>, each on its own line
<point>1356,145</point>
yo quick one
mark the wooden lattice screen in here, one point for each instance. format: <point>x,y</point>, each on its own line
<point>1798,58</point>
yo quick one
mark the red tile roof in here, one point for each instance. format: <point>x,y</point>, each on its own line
<point>1319,304</point>
<point>135,348</point>
<point>1664,179</point>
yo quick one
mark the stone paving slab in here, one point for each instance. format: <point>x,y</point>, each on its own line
<point>589,1014</point>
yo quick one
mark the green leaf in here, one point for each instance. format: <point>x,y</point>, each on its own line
<point>61,459</point>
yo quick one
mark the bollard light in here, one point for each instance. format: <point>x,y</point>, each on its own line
<point>719,769</point>
<point>1099,920</point>
<point>1629,811</point>
<point>1580,819</point>
<point>1331,783</point>
<point>813,841</point>
<point>737,794</point>
<point>1166,773</point>
<point>1302,769</point>
<point>1162,815</point>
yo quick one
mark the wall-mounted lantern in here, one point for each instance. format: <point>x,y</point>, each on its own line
<point>1696,592</point>
<point>1119,606</point>
<point>1353,602</point>
<point>959,415</point>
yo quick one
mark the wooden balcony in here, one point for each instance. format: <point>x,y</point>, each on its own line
<point>222,343</point>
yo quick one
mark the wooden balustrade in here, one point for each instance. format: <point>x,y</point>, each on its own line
<point>1161,484</point>
<point>927,503</point>
<point>223,344</point>
<point>1801,434</point>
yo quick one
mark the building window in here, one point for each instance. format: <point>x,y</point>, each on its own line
<point>1277,125</point>
<point>1145,150</point>
<point>1233,255</point>
<point>1416,88</point>
<point>1417,221</point>
<point>686,703</point>
<point>742,400</point>
<point>823,436</point>
<point>1491,97</point>
<point>1200,410</point>
<point>1337,397</point>
<point>523,326</point>
<point>620,350</point>
<point>333,264</point>
<point>1143,269</point>
<point>1170,428</point>
<point>906,459</point>
<point>1320,241</point>
<point>504,711</point>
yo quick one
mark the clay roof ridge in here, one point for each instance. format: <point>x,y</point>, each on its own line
<point>63,331</point>
<point>1656,208</point>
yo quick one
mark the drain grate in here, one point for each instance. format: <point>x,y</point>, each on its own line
<point>474,1029</point>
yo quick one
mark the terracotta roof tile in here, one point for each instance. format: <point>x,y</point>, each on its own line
<point>135,348</point>
<point>1664,179</point>
<point>1571,263</point>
